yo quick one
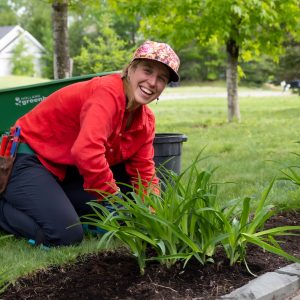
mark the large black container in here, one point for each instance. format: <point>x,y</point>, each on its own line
<point>167,151</point>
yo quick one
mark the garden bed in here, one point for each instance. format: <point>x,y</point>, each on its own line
<point>116,275</point>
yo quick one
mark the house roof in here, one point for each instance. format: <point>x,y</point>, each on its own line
<point>5,29</point>
<point>9,33</point>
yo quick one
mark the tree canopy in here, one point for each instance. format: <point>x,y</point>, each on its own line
<point>247,29</point>
<point>199,31</point>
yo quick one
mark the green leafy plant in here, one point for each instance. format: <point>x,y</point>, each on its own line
<point>248,227</point>
<point>115,216</point>
<point>187,220</point>
<point>22,62</point>
<point>290,172</point>
<point>105,54</point>
<point>173,230</point>
<point>133,223</point>
<point>183,225</point>
<point>193,198</point>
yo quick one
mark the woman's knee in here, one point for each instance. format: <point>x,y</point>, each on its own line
<point>65,236</point>
<point>73,237</point>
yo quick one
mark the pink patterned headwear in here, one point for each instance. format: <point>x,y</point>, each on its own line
<point>160,52</point>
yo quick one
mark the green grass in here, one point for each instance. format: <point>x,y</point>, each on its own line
<point>217,86</point>
<point>243,152</point>
<point>18,258</point>
<point>14,81</point>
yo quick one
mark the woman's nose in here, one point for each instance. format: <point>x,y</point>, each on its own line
<point>152,80</point>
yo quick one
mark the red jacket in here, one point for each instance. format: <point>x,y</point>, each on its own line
<point>83,124</point>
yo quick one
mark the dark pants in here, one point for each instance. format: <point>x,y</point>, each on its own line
<point>36,205</point>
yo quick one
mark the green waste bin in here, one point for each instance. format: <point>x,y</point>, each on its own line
<point>15,102</point>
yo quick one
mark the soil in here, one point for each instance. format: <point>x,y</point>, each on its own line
<point>115,275</point>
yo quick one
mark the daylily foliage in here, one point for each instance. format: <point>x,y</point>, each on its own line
<point>188,220</point>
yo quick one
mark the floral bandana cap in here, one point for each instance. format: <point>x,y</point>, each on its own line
<point>160,52</point>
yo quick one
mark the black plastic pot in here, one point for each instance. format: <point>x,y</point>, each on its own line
<point>167,151</point>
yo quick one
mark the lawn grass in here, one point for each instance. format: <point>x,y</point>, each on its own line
<point>243,152</point>
<point>18,258</point>
<point>14,81</point>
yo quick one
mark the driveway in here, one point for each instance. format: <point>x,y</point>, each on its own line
<point>194,95</point>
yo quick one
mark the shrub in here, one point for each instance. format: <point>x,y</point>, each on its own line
<point>22,63</point>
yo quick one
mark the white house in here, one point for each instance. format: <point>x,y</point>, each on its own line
<point>10,36</point>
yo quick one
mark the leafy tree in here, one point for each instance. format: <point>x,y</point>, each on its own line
<point>7,14</point>
<point>87,19</point>
<point>91,29</point>
<point>94,21</point>
<point>35,17</point>
<point>107,53</point>
<point>60,35</point>
<point>126,21</point>
<point>22,63</point>
<point>289,63</point>
<point>247,29</point>
<point>202,62</point>
<point>86,26</point>
<point>258,71</point>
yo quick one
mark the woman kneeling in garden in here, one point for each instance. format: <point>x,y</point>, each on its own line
<point>86,136</point>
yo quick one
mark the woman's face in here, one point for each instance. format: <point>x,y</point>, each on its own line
<point>147,80</point>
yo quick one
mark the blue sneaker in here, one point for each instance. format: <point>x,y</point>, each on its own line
<point>33,243</point>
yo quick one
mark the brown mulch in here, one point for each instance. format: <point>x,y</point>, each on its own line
<point>115,275</point>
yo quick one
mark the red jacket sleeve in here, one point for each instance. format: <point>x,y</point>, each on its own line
<point>96,125</point>
<point>141,166</point>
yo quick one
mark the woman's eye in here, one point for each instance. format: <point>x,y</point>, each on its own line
<point>163,79</point>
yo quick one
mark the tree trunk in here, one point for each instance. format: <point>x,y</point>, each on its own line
<point>232,81</point>
<point>60,39</point>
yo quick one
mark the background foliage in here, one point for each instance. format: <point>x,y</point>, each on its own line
<point>125,24</point>
<point>22,63</point>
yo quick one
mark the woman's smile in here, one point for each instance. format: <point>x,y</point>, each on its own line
<point>147,81</point>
